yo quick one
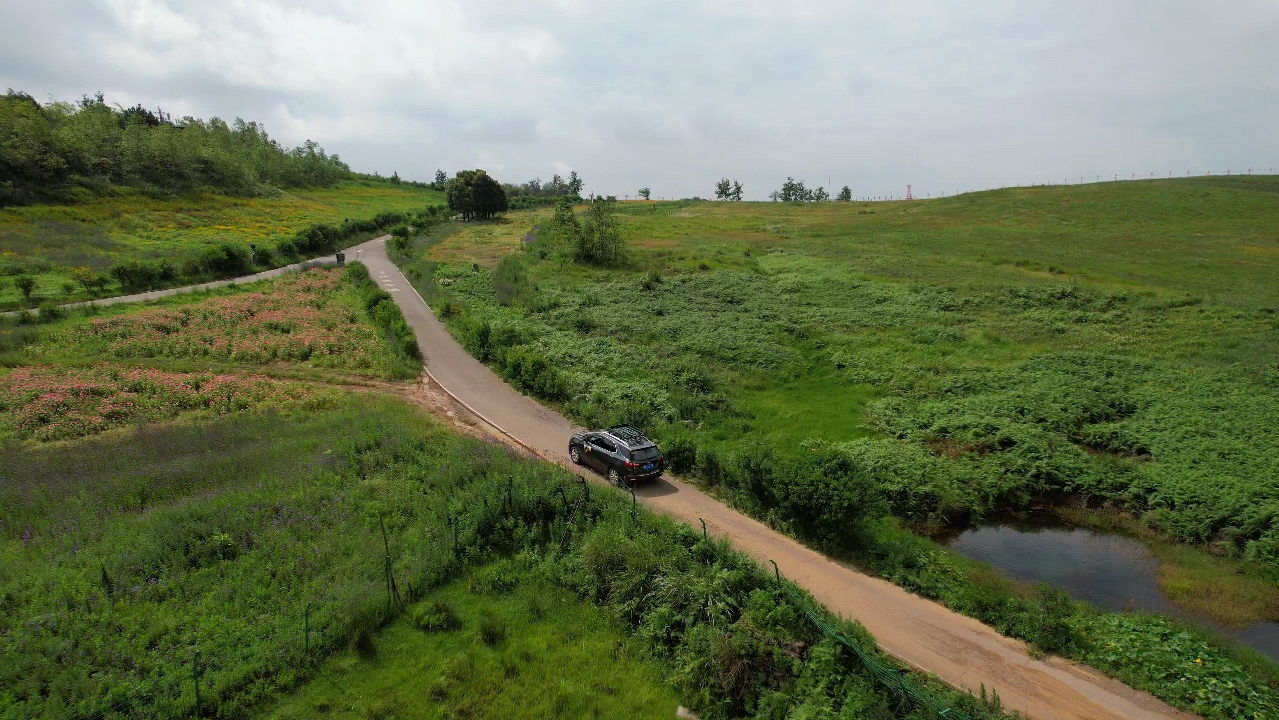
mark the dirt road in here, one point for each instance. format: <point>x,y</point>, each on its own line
<point>958,649</point>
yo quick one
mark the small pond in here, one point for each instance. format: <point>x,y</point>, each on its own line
<point>1110,571</point>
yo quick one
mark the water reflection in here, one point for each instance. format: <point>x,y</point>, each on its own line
<point>1109,571</point>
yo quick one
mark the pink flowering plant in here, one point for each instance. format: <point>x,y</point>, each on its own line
<point>311,318</point>
<point>55,403</point>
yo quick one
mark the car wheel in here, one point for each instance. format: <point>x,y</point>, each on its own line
<point>614,478</point>
<point>575,455</point>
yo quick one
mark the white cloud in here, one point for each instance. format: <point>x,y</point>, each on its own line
<point>674,95</point>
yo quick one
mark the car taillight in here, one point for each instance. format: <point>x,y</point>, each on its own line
<point>630,464</point>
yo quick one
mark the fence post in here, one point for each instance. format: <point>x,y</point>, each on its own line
<point>306,630</point>
<point>632,502</point>
<point>777,573</point>
<point>586,488</point>
<point>510,494</point>
<point>703,522</point>
<point>564,499</point>
<point>391,589</point>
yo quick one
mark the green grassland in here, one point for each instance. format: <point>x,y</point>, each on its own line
<point>1111,344</point>
<point>51,240</point>
<point>285,550</point>
<point>532,651</point>
<point>1113,341</point>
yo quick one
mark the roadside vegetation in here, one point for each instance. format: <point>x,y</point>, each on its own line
<point>245,551</point>
<point>1108,346</point>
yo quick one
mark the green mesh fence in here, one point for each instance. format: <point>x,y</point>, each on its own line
<point>884,674</point>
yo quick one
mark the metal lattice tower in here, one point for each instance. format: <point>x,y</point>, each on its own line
<point>908,195</point>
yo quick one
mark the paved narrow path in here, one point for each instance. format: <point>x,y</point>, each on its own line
<point>919,632</point>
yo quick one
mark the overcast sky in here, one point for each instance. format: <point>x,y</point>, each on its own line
<point>674,95</point>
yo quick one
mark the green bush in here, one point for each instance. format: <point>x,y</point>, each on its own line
<point>435,616</point>
<point>226,260</point>
<point>510,284</point>
<point>139,275</point>
<point>491,630</point>
<point>383,311</point>
<point>599,239</point>
<point>50,312</point>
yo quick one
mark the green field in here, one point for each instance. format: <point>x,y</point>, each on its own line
<point>193,475</point>
<point>252,550</point>
<point>975,353</point>
<point>1112,345</point>
<point>532,651</point>
<point>51,240</point>
<point>190,487</point>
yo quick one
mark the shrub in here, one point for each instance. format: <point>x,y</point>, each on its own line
<point>495,579</point>
<point>600,239</point>
<point>136,275</point>
<point>26,284</point>
<point>50,312</point>
<point>652,280</point>
<point>92,281</point>
<point>509,281</point>
<point>531,372</point>
<point>492,630</point>
<point>362,642</point>
<point>226,260</point>
<point>435,616</point>
<point>681,453</point>
<point>825,494</point>
<point>401,237</point>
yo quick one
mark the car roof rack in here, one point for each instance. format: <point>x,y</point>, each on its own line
<point>629,435</point>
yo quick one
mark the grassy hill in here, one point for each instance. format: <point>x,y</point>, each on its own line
<point>49,241</point>
<point>357,558</point>
<point>1110,345</point>
<point>231,485</point>
<point>1111,341</point>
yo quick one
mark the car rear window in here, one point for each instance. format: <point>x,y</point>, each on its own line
<point>645,454</point>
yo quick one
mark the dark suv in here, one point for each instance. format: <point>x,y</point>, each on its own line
<point>622,453</point>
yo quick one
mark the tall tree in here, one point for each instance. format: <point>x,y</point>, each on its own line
<point>736,194</point>
<point>574,184</point>
<point>600,240</point>
<point>475,195</point>
<point>723,190</point>
<point>845,194</point>
<point>645,193</point>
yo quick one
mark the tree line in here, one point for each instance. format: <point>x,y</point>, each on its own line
<point>791,191</point>
<point>58,150</point>
<point>794,191</point>
<point>475,195</point>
